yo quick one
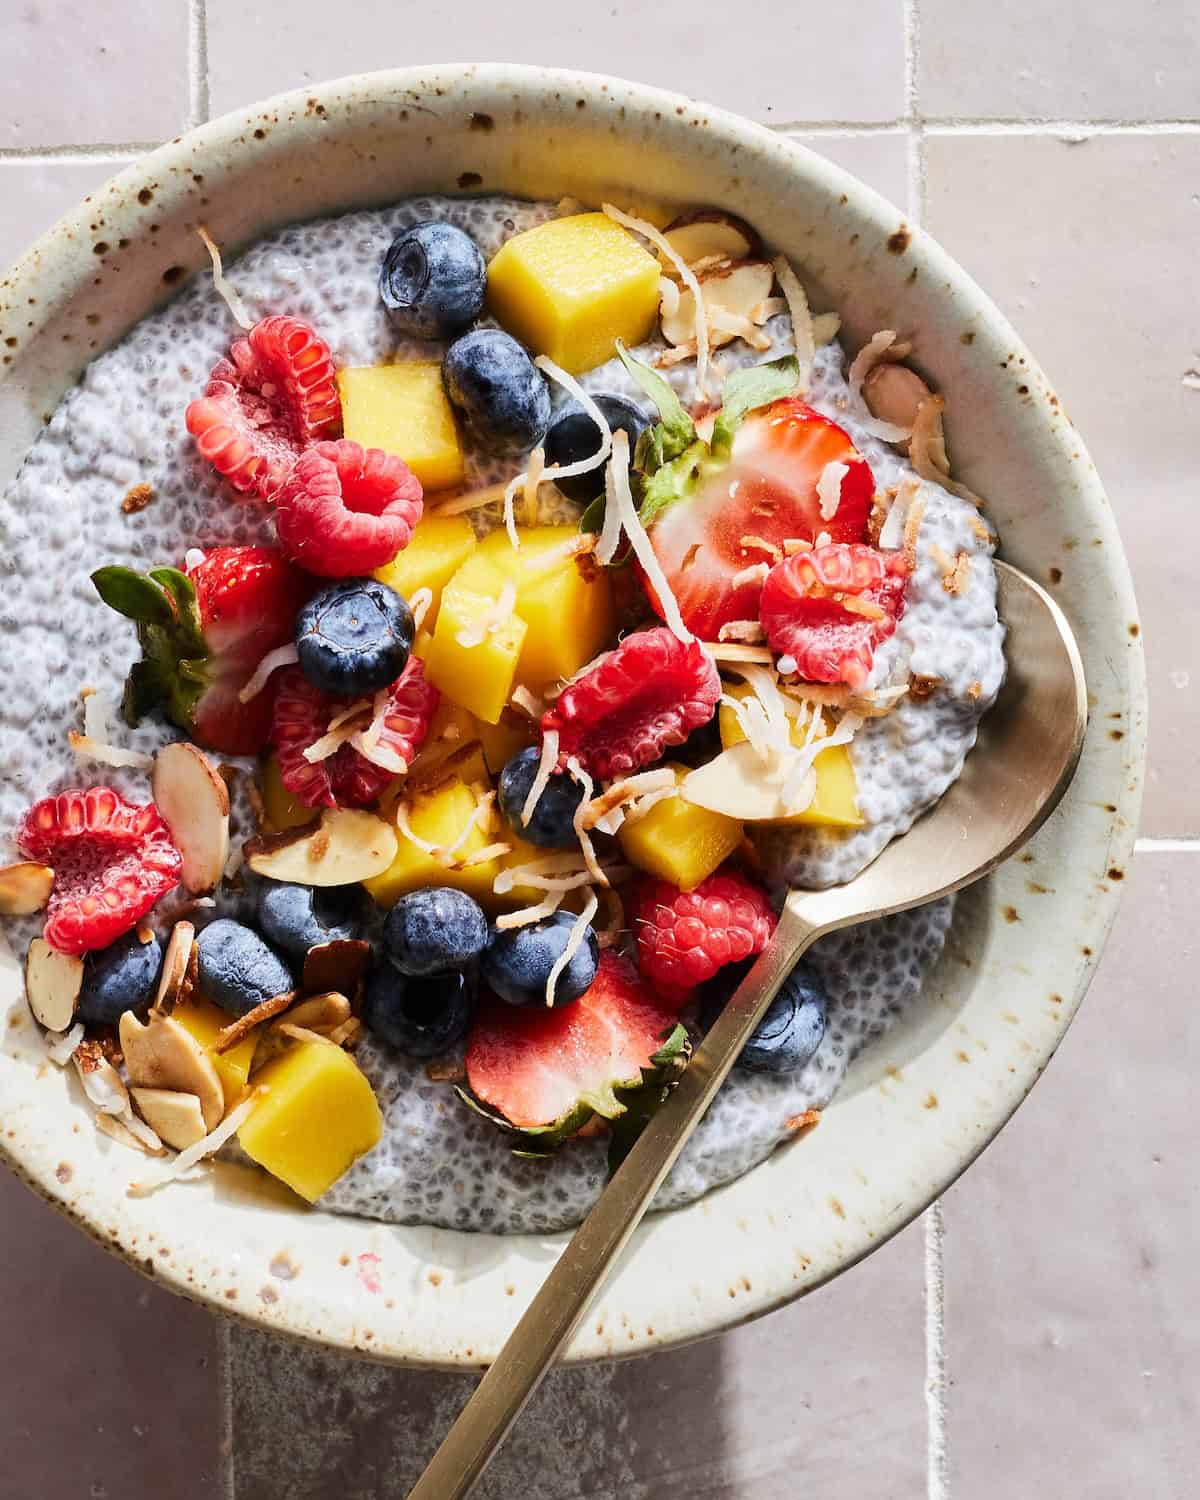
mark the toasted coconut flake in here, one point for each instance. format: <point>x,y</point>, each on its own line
<point>912,528</point>
<point>752,543</point>
<point>686,275</point>
<point>419,605</point>
<point>529,914</point>
<point>458,505</point>
<point>527,702</point>
<point>61,1050</point>
<point>803,336</point>
<point>581,833</point>
<point>329,744</point>
<point>574,943</point>
<point>855,604</point>
<point>891,533</point>
<point>229,1036</point>
<point>211,1144</point>
<point>879,347</point>
<point>804,1121</point>
<point>482,856</point>
<point>95,743</point>
<point>546,765</point>
<point>755,573</point>
<point>927,451</point>
<point>303,1034</point>
<point>622,792</point>
<point>492,619</point>
<point>668,297</point>
<point>956,580</point>
<point>735,653</point>
<point>132,1133</point>
<point>223,288</point>
<point>981,529</point>
<point>639,541</point>
<point>637,810</point>
<point>768,309</point>
<point>610,530</point>
<point>282,656</point>
<point>829,489</point>
<point>975,690</point>
<point>750,632</point>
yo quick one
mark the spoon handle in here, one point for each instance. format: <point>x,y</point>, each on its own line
<point>563,1298</point>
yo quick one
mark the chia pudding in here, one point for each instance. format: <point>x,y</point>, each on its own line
<point>117,481</point>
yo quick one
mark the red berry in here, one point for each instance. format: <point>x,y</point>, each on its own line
<point>648,693</point>
<point>828,609</point>
<point>112,860</point>
<point>346,778</point>
<point>541,1067</point>
<point>767,491</point>
<point>345,509</point>
<point>684,937</point>
<point>275,394</point>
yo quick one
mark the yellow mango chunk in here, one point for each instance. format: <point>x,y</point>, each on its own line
<point>502,740</point>
<point>479,677</point>
<point>451,727</point>
<point>572,287</point>
<point>204,1020</point>
<point>835,803</point>
<point>567,607</point>
<point>404,409</point>
<point>438,816</point>
<point>318,1116</point>
<point>679,842</point>
<point>439,547</point>
<point>282,809</point>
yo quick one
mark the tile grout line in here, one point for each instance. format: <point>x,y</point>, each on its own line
<point>225,1475</point>
<point>915,154</point>
<point>102,152</point>
<point>1167,846</point>
<point>937,1453</point>
<point>198,100</point>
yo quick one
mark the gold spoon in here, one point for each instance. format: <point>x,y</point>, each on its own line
<point>1028,747</point>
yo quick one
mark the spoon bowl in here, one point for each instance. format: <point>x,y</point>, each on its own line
<point>1028,747</point>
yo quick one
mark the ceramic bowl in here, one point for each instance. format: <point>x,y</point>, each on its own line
<point>916,1107</point>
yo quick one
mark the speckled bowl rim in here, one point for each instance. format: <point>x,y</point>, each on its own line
<point>913,1113</point>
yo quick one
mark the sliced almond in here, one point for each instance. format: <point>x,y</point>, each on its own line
<point>710,232</point>
<point>194,803</point>
<point>52,982</point>
<point>175,1117</point>
<point>237,1031</point>
<point>175,966</point>
<point>320,1012</point>
<point>346,846</point>
<point>893,393</point>
<point>735,290</point>
<point>161,1054</point>
<point>339,965</point>
<point>24,889</point>
<point>119,1129</point>
<point>734,784</point>
<point>101,1082</point>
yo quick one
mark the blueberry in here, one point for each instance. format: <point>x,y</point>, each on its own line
<point>498,391</point>
<point>121,977</point>
<point>518,962</point>
<point>550,826</point>
<point>790,1033</point>
<point>432,281</point>
<point>422,1017</point>
<point>433,929</point>
<point>299,917</point>
<point>574,436</point>
<point>237,970</point>
<point>353,637</point>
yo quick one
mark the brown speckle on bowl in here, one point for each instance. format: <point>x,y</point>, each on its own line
<point>930,1101</point>
<point>64,1172</point>
<point>283,1266</point>
<point>963,1057</point>
<point>899,241</point>
<point>172,274</point>
<point>469,180</point>
<point>1115,873</point>
<point>435,1278</point>
<point>836,1205</point>
<point>1055,575</point>
<point>1036,888</point>
<point>268,1294</point>
<point>968,337</point>
<point>100,247</point>
<point>1135,630</point>
<point>480,121</point>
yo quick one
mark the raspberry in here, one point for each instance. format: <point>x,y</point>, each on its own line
<point>650,692</point>
<point>112,860</point>
<point>275,394</point>
<point>345,510</point>
<point>346,778</point>
<point>684,937</point>
<point>828,609</point>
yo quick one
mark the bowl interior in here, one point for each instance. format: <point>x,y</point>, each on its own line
<point>917,1106</point>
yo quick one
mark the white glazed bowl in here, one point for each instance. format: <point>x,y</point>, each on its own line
<point>918,1106</point>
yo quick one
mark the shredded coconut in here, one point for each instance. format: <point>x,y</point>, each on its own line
<point>638,540</point>
<point>755,573</point>
<point>527,702</point>
<point>750,632</point>
<point>61,1050</point>
<point>192,558</point>
<point>581,833</point>
<point>282,656</point>
<point>891,533</point>
<point>94,743</point>
<point>735,653</point>
<point>492,619</point>
<point>686,275</point>
<point>802,323</point>
<point>420,604</point>
<point>527,914</point>
<point>752,543</point>
<point>472,500</point>
<point>668,294</point>
<point>927,451</point>
<point>223,288</point>
<point>546,765</point>
<point>574,943</point>
<point>211,1143</point>
<point>829,489</point>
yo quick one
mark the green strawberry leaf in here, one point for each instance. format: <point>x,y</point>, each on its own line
<point>143,691</point>
<point>642,1099</point>
<point>182,592</point>
<point>748,389</point>
<point>675,481</point>
<point>593,517</point>
<point>133,595</point>
<point>674,431</point>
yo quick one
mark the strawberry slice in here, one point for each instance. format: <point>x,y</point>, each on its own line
<point>112,860</point>
<point>766,492</point>
<point>202,634</point>
<point>828,609</point>
<point>347,779</point>
<point>544,1073</point>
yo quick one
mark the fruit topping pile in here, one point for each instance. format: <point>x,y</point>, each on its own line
<point>505,776</point>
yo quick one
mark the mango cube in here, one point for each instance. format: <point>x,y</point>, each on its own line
<point>570,288</point>
<point>451,727</point>
<point>282,809</point>
<point>204,1020</point>
<point>438,816</point>
<point>318,1116</point>
<point>567,605</point>
<point>404,409</point>
<point>479,677</point>
<point>502,740</point>
<point>439,547</point>
<point>835,803</point>
<point>679,842</point>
